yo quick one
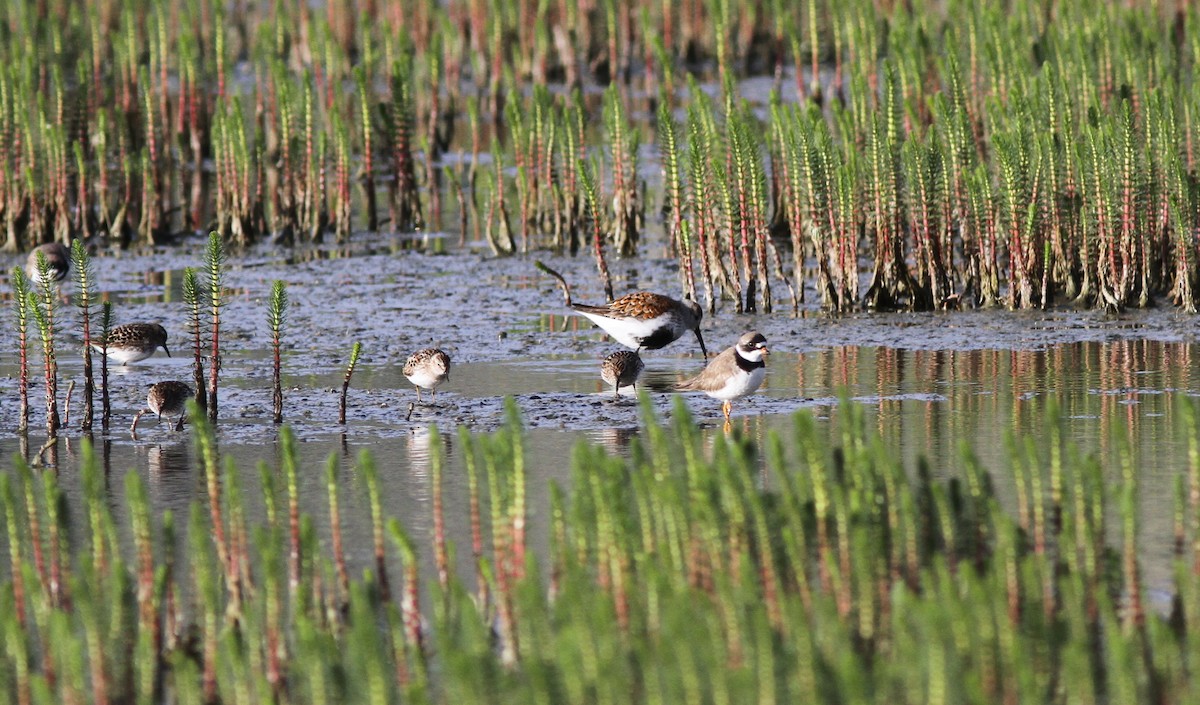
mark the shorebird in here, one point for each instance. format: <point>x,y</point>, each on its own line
<point>165,399</point>
<point>735,373</point>
<point>621,369</point>
<point>134,342</point>
<point>642,320</point>
<point>427,369</point>
<point>58,259</point>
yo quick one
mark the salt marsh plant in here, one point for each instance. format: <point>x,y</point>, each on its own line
<point>44,304</point>
<point>21,298</point>
<point>792,570</point>
<point>106,319</point>
<point>355,353</point>
<point>214,285</point>
<point>81,265</point>
<point>276,315</point>
<point>193,298</point>
<point>918,161</point>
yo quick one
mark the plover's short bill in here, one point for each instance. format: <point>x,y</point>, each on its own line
<point>621,369</point>
<point>133,342</point>
<point>427,369</point>
<point>166,399</point>
<point>642,320</point>
<point>735,373</point>
<point>58,260</point>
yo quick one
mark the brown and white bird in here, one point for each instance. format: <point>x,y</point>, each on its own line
<point>735,373</point>
<point>134,342</point>
<point>58,260</point>
<point>621,369</point>
<point>642,320</point>
<point>427,369</point>
<point>166,399</point>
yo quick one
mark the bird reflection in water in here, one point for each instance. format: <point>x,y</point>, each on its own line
<point>616,440</point>
<point>420,450</point>
<point>171,482</point>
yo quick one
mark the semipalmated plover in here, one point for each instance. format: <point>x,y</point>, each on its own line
<point>733,374</point>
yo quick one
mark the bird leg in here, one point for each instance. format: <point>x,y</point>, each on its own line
<point>726,408</point>
<point>179,424</point>
<point>418,395</point>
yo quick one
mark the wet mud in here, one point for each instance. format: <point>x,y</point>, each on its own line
<point>507,331</point>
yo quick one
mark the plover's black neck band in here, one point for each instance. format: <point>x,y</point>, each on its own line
<point>748,365</point>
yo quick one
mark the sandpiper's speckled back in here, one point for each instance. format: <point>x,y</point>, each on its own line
<point>621,368</point>
<point>134,342</point>
<point>427,368</point>
<point>142,335</point>
<point>169,398</point>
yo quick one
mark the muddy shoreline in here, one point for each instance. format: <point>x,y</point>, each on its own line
<point>503,319</point>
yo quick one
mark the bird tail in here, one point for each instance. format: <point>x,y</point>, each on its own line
<point>561,282</point>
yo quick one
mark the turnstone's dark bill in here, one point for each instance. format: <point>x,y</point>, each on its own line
<point>133,342</point>
<point>166,399</point>
<point>733,374</point>
<point>621,369</point>
<point>642,320</point>
<point>427,369</point>
<point>58,258</point>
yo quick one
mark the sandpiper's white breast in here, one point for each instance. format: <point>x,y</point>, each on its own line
<point>126,355</point>
<point>426,378</point>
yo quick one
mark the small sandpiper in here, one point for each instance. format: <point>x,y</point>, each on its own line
<point>735,373</point>
<point>166,399</point>
<point>642,320</point>
<point>58,259</point>
<point>621,369</point>
<point>133,342</point>
<point>427,369</point>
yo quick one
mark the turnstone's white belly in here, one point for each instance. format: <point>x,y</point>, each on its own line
<point>629,331</point>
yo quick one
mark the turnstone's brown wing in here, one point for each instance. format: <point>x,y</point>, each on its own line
<point>643,305</point>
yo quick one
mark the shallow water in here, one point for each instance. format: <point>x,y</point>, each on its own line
<point>926,381</point>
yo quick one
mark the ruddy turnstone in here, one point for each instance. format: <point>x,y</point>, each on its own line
<point>166,399</point>
<point>427,369</point>
<point>733,374</point>
<point>642,320</point>
<point>135,341</point>
<point>58,258</point>
<point>621,369</point>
